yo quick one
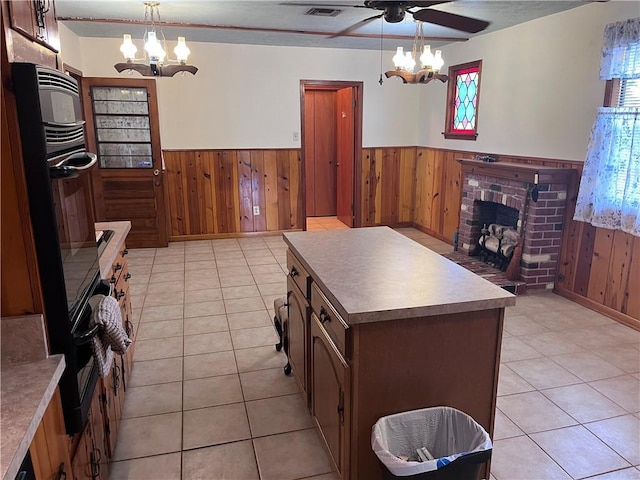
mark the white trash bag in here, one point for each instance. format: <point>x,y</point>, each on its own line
<point>445,432</point>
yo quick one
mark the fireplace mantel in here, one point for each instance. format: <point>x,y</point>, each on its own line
<point>518,171</point>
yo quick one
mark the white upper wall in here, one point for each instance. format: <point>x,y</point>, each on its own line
<point>249,96</point>
<point>540,85</point>
<point>70,47</point>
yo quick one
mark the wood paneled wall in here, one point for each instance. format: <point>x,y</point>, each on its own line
<point>214,192</point>
<point>388,186</point>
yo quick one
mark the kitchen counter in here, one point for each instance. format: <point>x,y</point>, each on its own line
<point>377,274</point>
<point>27,389</point>
<point>120,231</point>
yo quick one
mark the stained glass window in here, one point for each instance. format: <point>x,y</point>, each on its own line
<point>462,108</point>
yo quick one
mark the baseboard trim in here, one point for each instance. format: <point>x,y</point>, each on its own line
<point>598,307</point>
<point>218,236</point>
<point>428,231</point>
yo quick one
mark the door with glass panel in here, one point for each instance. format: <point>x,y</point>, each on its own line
<point>123,129</point>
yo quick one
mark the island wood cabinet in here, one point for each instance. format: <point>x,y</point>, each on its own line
<point>387,332</point>
<point>330,400</point>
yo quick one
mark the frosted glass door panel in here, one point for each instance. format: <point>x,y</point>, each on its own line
<point>123,134</point>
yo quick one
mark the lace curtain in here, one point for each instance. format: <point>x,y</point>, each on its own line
<point>609,194</point>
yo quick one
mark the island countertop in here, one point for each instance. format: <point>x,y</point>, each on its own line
<point>376,274</point>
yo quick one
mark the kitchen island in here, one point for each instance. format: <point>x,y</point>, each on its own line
<point>379,324</point>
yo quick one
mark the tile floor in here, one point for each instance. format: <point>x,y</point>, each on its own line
<point>208,397</point>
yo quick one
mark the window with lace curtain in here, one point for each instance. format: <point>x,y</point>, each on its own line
<point>609,194</point>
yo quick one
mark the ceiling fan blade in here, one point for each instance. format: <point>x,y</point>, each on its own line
<point>355,26</point>
<point>451,20</point>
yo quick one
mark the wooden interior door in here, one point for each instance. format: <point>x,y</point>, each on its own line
<point>123,129</point>
<point>345,146</point>
<point>320,152</point>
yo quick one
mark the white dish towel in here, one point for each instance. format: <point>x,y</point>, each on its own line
<point>111,336</point>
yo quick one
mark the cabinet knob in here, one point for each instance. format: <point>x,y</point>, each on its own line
<point>121,294</point>
<point>117,267</point>
<point>127,277</point>
<point>112,279</point>
<point>125,252</point>
<point>324,316</point>
<point>293,273</point>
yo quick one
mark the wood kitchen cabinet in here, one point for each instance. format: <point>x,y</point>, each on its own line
<point>297,332</point>
<point>112,397</point>
<point>330,380</point>
<point>120,279</point>
<point>90,459</point>
<point>49,448</point>
<point>36,20</point>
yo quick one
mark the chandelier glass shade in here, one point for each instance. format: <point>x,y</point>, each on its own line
<point>155,62</point>
<point>405,62</point>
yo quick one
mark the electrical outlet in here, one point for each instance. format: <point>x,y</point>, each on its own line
<point>256,210</point>
<point>296,136</point>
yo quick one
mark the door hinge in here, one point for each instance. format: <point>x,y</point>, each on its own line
<point>341,407</point>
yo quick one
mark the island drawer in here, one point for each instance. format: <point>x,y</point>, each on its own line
<point>332,322</point>
<point>298,274</point>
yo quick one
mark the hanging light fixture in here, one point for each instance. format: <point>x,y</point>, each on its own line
<point>405,62</point>
<point>153,64</point>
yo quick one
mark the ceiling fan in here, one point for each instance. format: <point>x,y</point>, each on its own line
<point>394,12</point>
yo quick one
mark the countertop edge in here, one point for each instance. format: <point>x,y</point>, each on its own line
<point>120,232</point>
<point>11,470</point>
<point>404,313</point>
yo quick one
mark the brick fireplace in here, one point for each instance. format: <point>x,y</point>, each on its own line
<point>509,184</point>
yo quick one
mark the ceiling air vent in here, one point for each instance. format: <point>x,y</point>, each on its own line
<point>323,12</point>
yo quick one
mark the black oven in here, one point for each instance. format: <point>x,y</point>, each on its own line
<point>57,172</point>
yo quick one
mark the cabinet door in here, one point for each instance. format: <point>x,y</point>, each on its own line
<point>297,333</point>
<point>23,17</point>
<point>90,459</point>
<point>50,445</point>
<point>330,394</point>
<point>82,467</point>
<point>113,399</point>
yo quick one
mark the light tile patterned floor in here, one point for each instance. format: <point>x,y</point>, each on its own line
<point>208,397</point>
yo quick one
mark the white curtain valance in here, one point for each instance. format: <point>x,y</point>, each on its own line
<point>621,50</point>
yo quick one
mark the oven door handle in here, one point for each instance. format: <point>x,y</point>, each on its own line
<point>84,337</point>
<point>73,165</point>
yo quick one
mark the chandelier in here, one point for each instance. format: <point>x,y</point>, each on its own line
<point>405,62</point>
<point>155,62</point>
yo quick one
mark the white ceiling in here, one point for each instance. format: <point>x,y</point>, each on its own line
<point>296,28</point>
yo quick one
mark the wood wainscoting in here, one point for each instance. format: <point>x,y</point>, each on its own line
<point>388,186</point>
<point>213,192</point>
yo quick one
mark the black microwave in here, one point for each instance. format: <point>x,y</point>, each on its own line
<point>51,101</point>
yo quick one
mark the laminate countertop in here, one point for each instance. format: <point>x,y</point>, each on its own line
<point>377,274</point>
<point>120,231</point>
<point>27,389</point>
